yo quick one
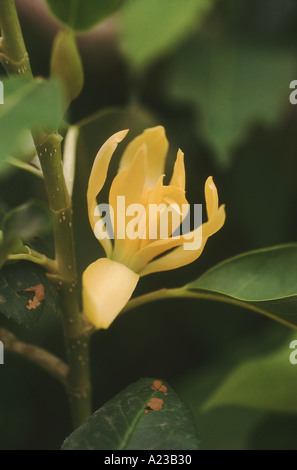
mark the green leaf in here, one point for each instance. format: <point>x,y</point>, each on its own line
<point>127,422</point>
<point>264,281</point>
<point>231,86</point>
<point>25,293</point>
<point>267,383</point>
<point>81,15</point>
<point>27,104</point>
<point>151,28</point>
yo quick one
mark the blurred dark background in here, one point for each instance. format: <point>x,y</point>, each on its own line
<point>245,49</point>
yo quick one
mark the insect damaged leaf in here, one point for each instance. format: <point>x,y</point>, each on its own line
<point>25,293</point>
<point>138,418</point>
<point>154,404</point>
<point>39,296</point>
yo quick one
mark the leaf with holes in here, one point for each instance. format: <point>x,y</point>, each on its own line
<point>146,415</point>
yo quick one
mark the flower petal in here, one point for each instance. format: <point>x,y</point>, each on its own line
<point>130,181</point>
<point>130,184</point>
<point>107,287</point>
<point>211,197</point>
<point>157,147</point>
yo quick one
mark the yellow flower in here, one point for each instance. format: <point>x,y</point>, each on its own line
<point>109,282</point>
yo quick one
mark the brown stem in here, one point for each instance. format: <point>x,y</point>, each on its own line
<point>47,361</point>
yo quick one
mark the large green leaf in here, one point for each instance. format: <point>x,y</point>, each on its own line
<point>152,27</point>
<point>267,383</point>
<point>27,104</point>
<point>82,15</point>
<point>231,86</point>
<point>25,293</point>
<point>264,281</point>
<point>128,422</point>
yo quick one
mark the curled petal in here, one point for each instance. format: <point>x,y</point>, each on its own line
<point>142,259</point>
<point>184,249</point>
<point>179,175</point>
<point>211,197</point>
<point>101,163</point>
<point>181,257</point>
<point>173,260</point>
<point>107,287</point>
<point>98,177</point>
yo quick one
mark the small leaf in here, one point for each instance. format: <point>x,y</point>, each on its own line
<point>9,248</point>
<point>80,15</point>
<point>27,221</point>
<point>25,293</point>
<point>27,104</point>
<point>22,224</point>
<point>263,280</point>
<point>266,383</point>
<point>151,28</point>
<point>143,416</point>
<point>4,249</point>
<point>66,64</point>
